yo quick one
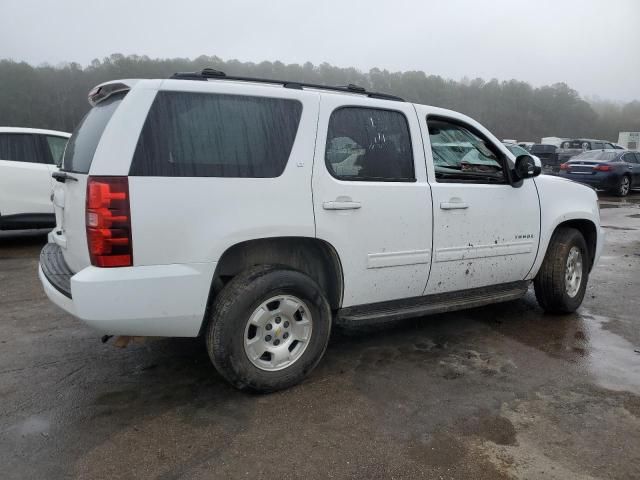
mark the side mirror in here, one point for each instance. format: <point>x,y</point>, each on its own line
<point>527,167</point>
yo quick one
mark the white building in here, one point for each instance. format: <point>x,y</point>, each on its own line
<point>553,141</point>
<point>629,140</point>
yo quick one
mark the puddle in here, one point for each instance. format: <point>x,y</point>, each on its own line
<point>618,228</point>
<point>611,359</point>
<point>614,203</point>
<point>33,425</point>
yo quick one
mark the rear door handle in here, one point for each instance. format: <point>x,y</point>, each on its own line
<point>454,205</point>
<point>341,205</point>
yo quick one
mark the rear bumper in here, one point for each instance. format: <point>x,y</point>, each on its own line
<point>155,300</point>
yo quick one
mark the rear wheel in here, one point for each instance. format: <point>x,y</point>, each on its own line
<point>562,280</point>
<point>623,187</point>
<point>269,327</point>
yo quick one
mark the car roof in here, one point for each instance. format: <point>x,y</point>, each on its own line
<point>37,131</point>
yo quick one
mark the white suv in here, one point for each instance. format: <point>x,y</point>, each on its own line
<point>28,157</point>
<point>258,212</point>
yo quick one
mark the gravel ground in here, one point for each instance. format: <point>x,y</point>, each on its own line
<point>492,393</point>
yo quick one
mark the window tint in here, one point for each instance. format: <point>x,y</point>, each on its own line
<point>84,141</point>
<point>21,147</point>
<point>637,157</point>
<point>629,157</point>
<point>461,155</point>
<point>543,148</point>
<point>369,144</point>
<point>56,147</point>
<point>212,135</point>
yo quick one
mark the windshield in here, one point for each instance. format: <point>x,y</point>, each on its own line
<point>517,150</point>
<point>596,155</point>
<point>83,143</point>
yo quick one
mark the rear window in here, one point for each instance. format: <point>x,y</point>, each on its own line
<point>596,155</point>
<point>83,143</point>
<point>212,135</point>
<point>543,149</point>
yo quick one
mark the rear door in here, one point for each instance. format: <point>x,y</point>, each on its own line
<point>485,231</point>
<point>371,198</point>
<point>25,186</point>
<point>69,196</point>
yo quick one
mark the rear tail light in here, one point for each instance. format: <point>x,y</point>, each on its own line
<point>565,166</point>
<point>109,222</point>
<point>603,168</point>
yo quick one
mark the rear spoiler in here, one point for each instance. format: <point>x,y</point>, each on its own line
<point>105,90</point>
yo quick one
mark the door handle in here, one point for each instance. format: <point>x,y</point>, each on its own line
<point>454,205</point>
<point>340,204</point>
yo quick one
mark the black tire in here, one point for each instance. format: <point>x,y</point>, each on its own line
<point>623,187</point>
<point>231,311</point>
<point>549,284</point>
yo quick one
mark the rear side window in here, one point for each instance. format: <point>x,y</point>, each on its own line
<point>21,147</point>
<point>84,141</point>
<point>368,144</point>
<point>212,135</point>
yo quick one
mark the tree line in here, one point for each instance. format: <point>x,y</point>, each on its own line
<point>55,97</point>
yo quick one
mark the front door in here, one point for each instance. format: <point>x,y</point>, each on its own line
<point>371,198</point>
<point>486,232</point>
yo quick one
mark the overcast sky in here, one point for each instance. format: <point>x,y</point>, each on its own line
<point>593,45</point>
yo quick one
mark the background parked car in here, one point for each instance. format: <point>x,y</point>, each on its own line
<point>615,170</point>
<point>570,148</point>
<point>518,150</point>
<point>548,156</point>
<point>28,157</point>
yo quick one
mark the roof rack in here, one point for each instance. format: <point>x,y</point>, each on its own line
<point>211,74</point>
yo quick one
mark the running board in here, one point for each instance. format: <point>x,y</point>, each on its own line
<point>431,304</point>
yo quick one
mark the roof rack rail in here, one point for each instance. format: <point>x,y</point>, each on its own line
<point>211,74</point>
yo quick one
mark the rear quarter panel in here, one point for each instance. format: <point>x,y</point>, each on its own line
<point>196,219</point>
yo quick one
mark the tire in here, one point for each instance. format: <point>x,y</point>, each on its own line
<point>231,323</point>
<point>554,292</point>
<point>623,187</point>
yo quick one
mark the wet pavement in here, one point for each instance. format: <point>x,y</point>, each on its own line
<point>492,393</point>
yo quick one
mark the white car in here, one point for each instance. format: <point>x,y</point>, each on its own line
<point>227,207</point>
<point>28,157</point>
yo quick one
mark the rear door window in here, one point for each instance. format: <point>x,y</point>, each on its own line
<point>369,144</point>
<point>213,135</point>
<point>84,141</point>
<point>21,147</point>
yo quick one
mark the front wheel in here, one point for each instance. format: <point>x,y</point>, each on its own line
<point>269,327</point>
<point>562,280</point>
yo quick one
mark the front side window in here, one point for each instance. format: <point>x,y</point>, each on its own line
<point>56,147</point>
<point>212,135</point>
<point>20,147</point>
<point>369,144</point>
<point>462,155</point>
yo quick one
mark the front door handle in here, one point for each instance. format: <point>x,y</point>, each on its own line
<point>458,205</point>
<point>341,204</point>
